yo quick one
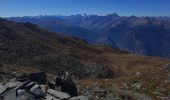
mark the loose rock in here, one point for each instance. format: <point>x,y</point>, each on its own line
<point>57,94</point>
<point>36,90</point>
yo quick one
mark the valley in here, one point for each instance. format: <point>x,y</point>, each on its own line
<point>26,48</point>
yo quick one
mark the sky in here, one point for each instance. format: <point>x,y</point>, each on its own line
<point>11,8</point>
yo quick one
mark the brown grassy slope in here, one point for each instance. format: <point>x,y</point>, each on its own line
<point>22,34</point>
<point>153,76</point>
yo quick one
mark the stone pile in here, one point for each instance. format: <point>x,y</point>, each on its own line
<point>36,87</point>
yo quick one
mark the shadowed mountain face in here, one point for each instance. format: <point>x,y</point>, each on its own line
<point>61,25</point>
<point>141,35</point>
<point>25,44</point>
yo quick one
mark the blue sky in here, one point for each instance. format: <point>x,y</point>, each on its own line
<point>10,8</point>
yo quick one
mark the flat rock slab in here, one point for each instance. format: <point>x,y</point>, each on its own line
<point>11,95</point>
<point>2,88</point>
<point>80,98</point>
<point>49,97</point>
<point>12,85</point>
<point>57,94</point>
<point>8,85</point>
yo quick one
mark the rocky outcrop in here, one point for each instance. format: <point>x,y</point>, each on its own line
<point>67,85</point>
<point>38,77</point>
<point>36,87</point>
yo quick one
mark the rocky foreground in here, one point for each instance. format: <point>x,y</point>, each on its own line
<point>35,87</point>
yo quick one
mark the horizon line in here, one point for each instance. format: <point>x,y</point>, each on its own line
<point>85,14</point>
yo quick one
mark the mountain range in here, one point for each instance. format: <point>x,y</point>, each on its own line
<point>141,35</point>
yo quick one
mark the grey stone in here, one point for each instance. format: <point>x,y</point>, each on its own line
<point>50,97</point>
<point>80,98</point>
<point>30,85</point>
<point>67,85</point>
<point>43,88</point>
<point>2,88</point>
<point>22,85</point>
<point>12,85</point>
<point>34,87</point>
<point>20,91</point>
<point>57,94</point>
<point>36,90</point>
<point>12,80</point>
<point>23,95</point>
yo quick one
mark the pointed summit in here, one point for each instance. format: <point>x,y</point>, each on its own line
<point>113,15</point>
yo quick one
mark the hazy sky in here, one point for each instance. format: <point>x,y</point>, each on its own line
<point>67,7</point>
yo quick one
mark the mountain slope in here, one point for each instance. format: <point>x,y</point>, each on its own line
<point>141,35</point>
<point>24,47</point>
<point>25,44</point>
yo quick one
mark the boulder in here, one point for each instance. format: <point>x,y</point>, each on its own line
<point>22,95</point>
<point>38,77</point>
<point>58,81</point>
<point>57,94</point>
<point>67,85</point>
<point>2,88</point>
<point>44,88</point>
<point>20,91</point>
<point>36,90</point>
<point>34,87</point>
